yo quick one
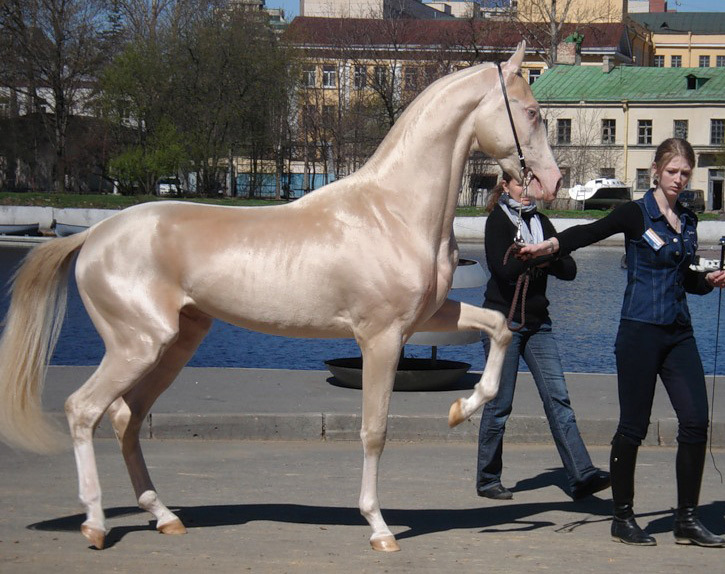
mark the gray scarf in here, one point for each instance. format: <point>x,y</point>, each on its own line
<point>533,232</point>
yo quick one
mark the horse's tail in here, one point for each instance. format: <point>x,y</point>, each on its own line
<point>32,325</point>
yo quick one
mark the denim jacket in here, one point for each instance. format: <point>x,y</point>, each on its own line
<point>656,266</point>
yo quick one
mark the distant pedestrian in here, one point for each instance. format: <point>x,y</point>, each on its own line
<point>534,342</point>
<point>655,337</point>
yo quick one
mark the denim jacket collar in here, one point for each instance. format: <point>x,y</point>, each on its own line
<point>653,210</point>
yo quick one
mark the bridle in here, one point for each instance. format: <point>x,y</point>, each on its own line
<point>525,173</point>
<point>522,283</point>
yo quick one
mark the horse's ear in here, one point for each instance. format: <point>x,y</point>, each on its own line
<point>513,65</point>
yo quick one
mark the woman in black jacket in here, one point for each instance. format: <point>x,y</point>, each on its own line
<point>533,340</point>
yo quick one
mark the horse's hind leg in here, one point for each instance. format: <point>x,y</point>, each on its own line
<point>128,412</point>
<point>455,316</point>
<point>123,366</point>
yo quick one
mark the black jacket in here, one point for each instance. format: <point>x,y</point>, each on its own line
<point>499,235</point>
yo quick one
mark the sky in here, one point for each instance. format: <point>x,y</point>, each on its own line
<point>292,7</point>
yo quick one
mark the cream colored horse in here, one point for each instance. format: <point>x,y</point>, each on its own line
<point>370,256</point>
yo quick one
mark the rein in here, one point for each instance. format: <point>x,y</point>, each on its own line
<point>523,279</point>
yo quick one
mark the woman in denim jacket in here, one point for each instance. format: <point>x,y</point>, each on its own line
<point>655,337</point>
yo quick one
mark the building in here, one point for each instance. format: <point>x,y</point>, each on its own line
<point>685,39</point>
<point>579,12</point>
<point>370,9</point>
<point>358,72</point>
<point>607,122</point>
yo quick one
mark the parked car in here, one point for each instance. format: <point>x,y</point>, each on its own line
<point>694,199</point>
<point>168,186</point>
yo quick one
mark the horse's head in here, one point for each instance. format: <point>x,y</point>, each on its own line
<point>495,135</point>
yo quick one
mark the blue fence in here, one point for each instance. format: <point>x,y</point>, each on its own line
<point>266,183</point>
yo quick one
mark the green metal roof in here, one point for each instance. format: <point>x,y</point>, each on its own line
<point>682,22</point>
<point>565,83</point>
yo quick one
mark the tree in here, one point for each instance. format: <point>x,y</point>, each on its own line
<point>216,73</point>
<point>546,23</point>
<point>56,51</point>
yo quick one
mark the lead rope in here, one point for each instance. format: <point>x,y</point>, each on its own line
<point>523,280</point>
<point>714,368</point>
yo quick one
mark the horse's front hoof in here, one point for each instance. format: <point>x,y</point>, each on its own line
<point>95,536</point>
<point>385,544</point>
<point>455,414</point>
<point>173,527</point>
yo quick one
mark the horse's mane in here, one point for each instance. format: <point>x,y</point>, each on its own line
<point>435,97</point>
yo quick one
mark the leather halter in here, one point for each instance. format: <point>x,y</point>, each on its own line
<point>523,279</point>
<point>526,173</point>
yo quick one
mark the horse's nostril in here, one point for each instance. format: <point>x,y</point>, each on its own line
<point>558,185</point>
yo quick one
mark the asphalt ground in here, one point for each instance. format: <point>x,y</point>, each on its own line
<point>291,506</point>
<point>264,468</point>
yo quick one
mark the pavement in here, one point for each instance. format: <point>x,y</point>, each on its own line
<point>263,466</point>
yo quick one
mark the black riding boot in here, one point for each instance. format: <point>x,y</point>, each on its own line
<point>621,468</point>
<point>688,528</point>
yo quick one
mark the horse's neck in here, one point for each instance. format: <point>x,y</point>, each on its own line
<point>420,163</point>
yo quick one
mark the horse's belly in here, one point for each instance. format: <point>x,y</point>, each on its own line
<point>275,305</point>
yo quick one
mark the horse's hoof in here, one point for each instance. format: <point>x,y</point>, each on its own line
<point>455,414</point>
<point>385,544</point>
<point>94,536</point>
<point>173,527</point>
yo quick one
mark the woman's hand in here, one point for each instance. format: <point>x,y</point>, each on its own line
<point>716,278</point>
<point>546,247</point>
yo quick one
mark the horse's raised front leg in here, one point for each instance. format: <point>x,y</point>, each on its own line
<point>128,412</point>
<point>380,361</point>
<point>456,316</point>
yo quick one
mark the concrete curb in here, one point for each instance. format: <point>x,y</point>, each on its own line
<point>522,429</point>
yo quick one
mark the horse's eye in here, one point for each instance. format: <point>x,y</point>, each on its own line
<point>533,114</point>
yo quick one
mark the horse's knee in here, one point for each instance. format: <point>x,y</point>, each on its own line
<point>373,440</point>
<point>501,334</point>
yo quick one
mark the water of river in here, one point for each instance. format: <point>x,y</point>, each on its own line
<point>585,314</point>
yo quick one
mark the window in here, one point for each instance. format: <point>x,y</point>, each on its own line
<point>329,76</point>
<point>563,131</point>
<point>676,61</point>
<point>381,76</point>
<point>308,76</point>
<point>360,77</point>
<point>704,62</point>
<point>431,74</point>
<point>609,131</point>
<point>309,113</point>
<point>607,172</point>
<point>411,78</point>
<point>534,75</point>
<point>644,132</point>
<point>680,129</point>
<point>642,182</point>
<point>328,114</point>
<point>720,61</point>
<point>717,132</point>
<point>659,61</point>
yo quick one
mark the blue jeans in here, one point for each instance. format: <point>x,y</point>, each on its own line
<point>538,348</point>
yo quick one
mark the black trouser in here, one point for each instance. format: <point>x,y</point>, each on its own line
<point>644,351</point>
